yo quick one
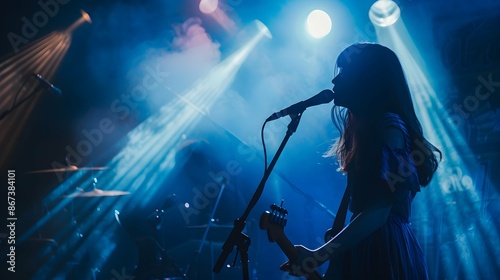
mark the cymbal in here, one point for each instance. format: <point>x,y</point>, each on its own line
<point>97,193</point>
<point>71,168</point>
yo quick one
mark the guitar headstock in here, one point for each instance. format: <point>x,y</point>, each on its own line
<point>274,222</point>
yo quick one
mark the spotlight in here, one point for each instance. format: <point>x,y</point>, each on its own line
<point>384,13</point>
<point>263,29</point>
<point>86,16</point>
<point>208,6</point>
<point>319,24</point>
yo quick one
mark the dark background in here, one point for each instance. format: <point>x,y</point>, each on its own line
<point>458,41</point>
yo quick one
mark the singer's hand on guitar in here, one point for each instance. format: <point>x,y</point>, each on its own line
<point>274,222</point>
<point>305,263</point>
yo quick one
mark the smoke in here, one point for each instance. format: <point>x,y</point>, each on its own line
<point>191,34</point>
<point>140,58</point>
<point>128,38</point>
<point>181,51</point>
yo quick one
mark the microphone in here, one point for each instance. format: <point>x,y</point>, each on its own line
<point>50,86</point>
<point>325,96</point>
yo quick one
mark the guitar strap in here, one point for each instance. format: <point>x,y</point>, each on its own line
<point>336,268</point>
<point>339,221</point>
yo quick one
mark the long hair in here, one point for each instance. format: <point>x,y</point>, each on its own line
<point>385,90</point>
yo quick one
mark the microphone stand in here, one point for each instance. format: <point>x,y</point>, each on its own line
<point>237,237</point>
<point>15,104</point>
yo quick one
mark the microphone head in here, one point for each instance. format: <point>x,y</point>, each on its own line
<point>327,95</point>
<point>56,91</point>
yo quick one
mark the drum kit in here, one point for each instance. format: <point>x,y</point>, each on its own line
<point>153,269</point>
<point>74,223</point>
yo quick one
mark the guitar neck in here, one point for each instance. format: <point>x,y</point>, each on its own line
<point>274,222</point>
<point>291,252</point>
<point>287,247</point>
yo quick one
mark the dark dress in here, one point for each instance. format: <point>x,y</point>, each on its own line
<point>392,251</point>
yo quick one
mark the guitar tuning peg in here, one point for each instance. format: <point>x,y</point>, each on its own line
<point>274,208</point>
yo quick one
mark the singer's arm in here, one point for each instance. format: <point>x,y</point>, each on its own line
<point>358,229</point>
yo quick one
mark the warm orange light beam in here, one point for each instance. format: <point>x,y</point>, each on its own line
<point>85,18</point>
<point>16,86</point>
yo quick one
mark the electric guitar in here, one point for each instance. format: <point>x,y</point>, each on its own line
<point>274,222</point>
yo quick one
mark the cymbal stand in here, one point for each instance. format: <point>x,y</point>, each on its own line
<point>209,224</point>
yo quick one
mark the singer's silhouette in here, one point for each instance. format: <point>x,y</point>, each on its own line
<point>378,132</point>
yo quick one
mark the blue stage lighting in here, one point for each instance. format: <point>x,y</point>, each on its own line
<point>384,13</point>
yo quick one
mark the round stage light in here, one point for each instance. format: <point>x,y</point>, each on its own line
<point>208,6</point>
<point>319,24</point>
<point>384,13</point>
<point>263,29</point>
<point>86,16</point>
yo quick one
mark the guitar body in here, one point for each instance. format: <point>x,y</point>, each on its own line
<point>274,222</point>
